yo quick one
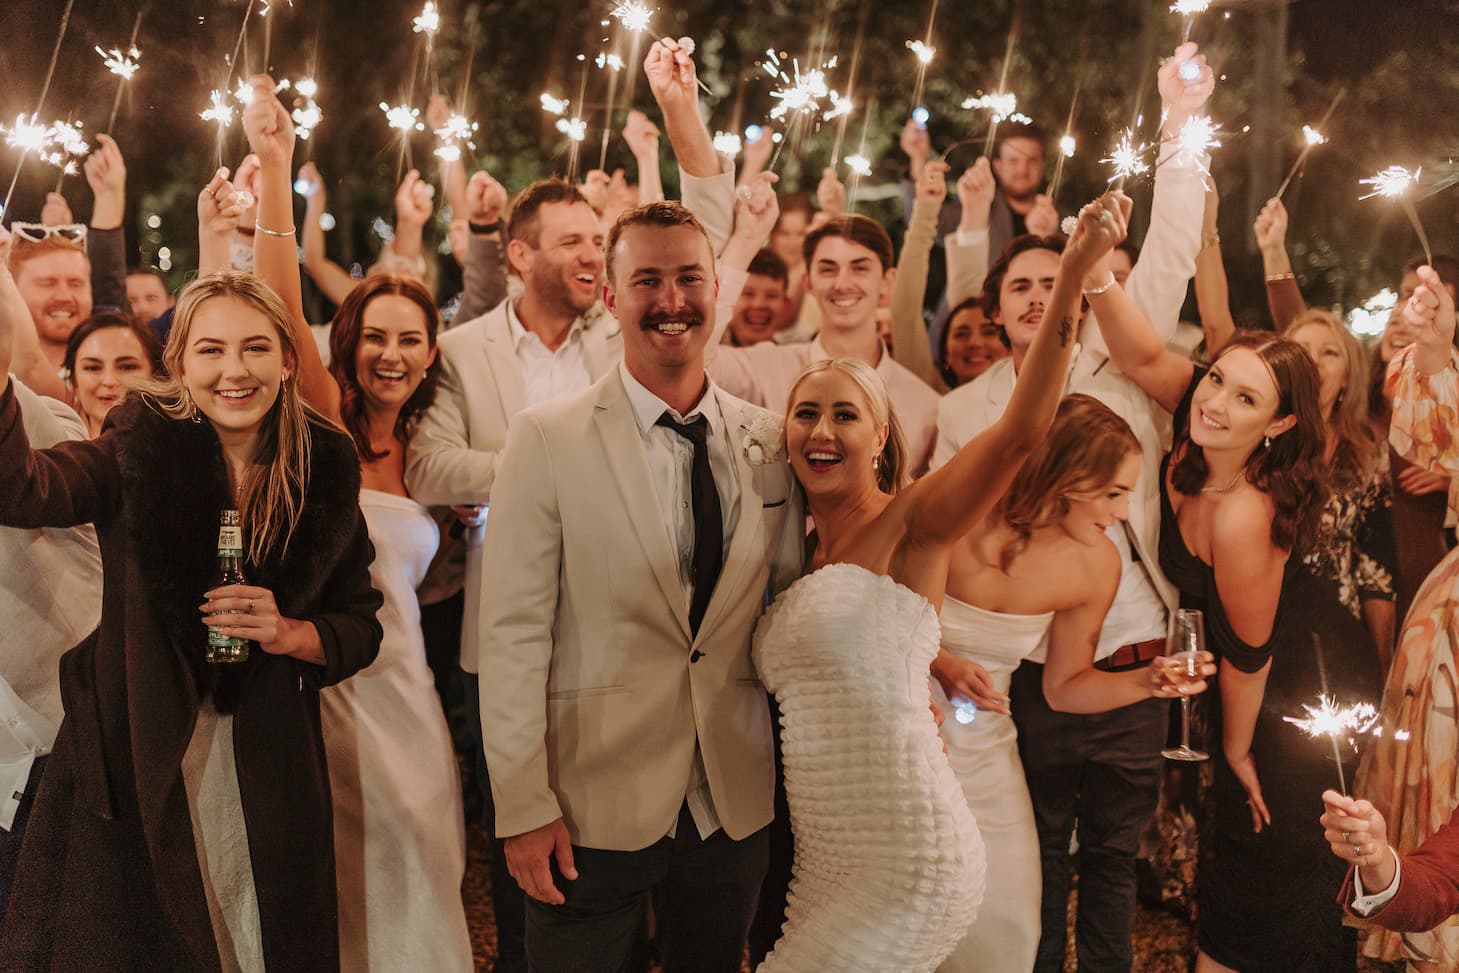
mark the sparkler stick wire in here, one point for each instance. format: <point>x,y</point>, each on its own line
<point>1002,85</point>
<point>1342,784</point>
<point>1302,156</point>
<point>237,46</point>
<point>851,86</point>
<point>40,103</point>
<point>608,115</point>
<point>1068,126</point>
<point>116,102</point>
<point>917,89</point>
<point>573,150</point>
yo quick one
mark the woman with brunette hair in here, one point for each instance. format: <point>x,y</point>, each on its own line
<point>1039,570</point>
<point>1242,496</point>
<point>970,343</point>
<point>399,828</point>
<point>107,354</point>
<point>184,822</point>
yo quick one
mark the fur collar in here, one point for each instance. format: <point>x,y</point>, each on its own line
<point>175,484</point>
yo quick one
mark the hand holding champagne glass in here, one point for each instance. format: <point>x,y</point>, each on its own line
<point>1187,663</point>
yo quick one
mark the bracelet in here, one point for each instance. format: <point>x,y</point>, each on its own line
<point>267,232</point>
<point>482,229</point>
<point>1088,291</point>
<point>1278,278</point>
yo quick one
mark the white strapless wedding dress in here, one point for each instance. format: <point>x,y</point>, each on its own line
<point>984,756</point>
<point>888,860</point>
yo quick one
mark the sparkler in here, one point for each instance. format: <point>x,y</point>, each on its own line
<point>124,66</point>
<point>1067,144</point>
<point>1312,138</point>
<point>402,117</point>
<point>921,51</point>
<point>1189,8</point>
<point>803,95</point>
<point>1395,183</point>
<point>307,115</point>
<point>1127,159</point>
<point>1196,138</point>
<point>456,132</point>
<point>1010,102</point>
<point>1327,719</point>
<point>727,144</point>
<point>26,136</point>
<point>859,165</point>
<point>574,128</point>
<point>634,16</point>
<point>67,145</point>
<point>554,105</point>
<point>428,24</point>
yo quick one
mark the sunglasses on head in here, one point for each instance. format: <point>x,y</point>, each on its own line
<point>36,232</point>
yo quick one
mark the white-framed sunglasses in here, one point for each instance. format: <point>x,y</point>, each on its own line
<point>36,232</point>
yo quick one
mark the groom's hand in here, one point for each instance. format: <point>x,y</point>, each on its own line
<point>529,856</point>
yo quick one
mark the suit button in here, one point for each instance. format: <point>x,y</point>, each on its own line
<point>695,656</point>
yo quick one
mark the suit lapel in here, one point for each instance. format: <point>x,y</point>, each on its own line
<point>623,445</point>
<point>747,545</point>
<point>501,357</point>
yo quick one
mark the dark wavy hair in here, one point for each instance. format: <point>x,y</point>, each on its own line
<point>344,338</point>
<point>1290,470</point>
<point>993,282</point>
<point>151,346</point>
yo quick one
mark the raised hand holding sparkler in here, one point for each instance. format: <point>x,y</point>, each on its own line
<point>672,79</point>
<point>56,211</point>
<point>124,66</point>
<point>1186,82</point>
<point>106,173</point>
<point>831,193</point>
<point>1429,314</point>
<point>220,211</point>
<point>975,191</point>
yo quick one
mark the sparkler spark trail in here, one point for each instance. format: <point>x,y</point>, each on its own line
<point>802,96</point>
<point>557,106</point>
<point>1312,137</point>
<point>1067,145</point>
<point>1002,105</point>
<point>27,134</point>
<point>921,51</point>
<point>1327,719</point>
<point>1127,159</point>
<point>429,21</point>
<point>67,144</point>
<point>574,128</point>
<point>859,164</point>
<point>122,65</point>
<point>1395,183</point>
<point>220,111</point>
<point>1196,138</point>
<point>633,15</point>
<point>457,132</point>
<point>727,144</point>
<point>402,117</point>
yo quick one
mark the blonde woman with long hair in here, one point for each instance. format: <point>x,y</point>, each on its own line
<point>1034,580</point>
<point>184,818</point>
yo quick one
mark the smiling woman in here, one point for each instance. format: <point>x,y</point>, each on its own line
<point>214,756</point>
<point>105,356</point>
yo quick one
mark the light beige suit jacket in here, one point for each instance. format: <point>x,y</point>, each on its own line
<point>454,453</point>
<point>591,696</point>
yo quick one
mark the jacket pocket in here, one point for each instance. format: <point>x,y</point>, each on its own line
<point>566,694</point>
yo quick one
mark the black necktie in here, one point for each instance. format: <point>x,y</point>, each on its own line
<point>708,526</point>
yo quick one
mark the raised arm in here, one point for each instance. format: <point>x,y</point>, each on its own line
<point>21,345</point>
<point>106,173</point>
<point>219,210</point>
<point>328,276</point>
<point>1213,292</point>
<point>967,249</point>
<point>276,260</point>
<point>912,347</point>
<point>642,137</point>
<point>1283,293</point>
<point>413,208</point>
<point>675,86</point>
<point>1134,347</point>
<point>484,274</point>
<point>946,503</point>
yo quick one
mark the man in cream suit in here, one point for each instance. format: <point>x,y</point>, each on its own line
<point>636,529</point>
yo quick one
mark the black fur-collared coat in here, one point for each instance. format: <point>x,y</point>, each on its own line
<point>108,877</point>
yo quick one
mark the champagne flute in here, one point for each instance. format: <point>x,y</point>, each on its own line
<point>1187,641</point>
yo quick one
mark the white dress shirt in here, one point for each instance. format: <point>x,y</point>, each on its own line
<point>670,461</point>
<point>1367,904</point>
<point>546,373</point>
<point>50,600</point>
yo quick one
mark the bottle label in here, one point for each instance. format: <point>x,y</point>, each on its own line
<point>217,640</point>
<point>230,541</point>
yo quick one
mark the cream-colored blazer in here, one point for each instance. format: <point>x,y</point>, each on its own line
<point>593,693</point>
<point>454,451</point>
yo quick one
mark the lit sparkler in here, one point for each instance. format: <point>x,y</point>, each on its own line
<point>24,136</point>
<point>119,64</point>
<point>429,21</point>
<point>1002,105</point>
<point>1311,138</point>
<point>457,131</point>
<point>1327,719</point>
<point>66,144</point>
<point>306,114</point>
<point>1395,183</point>
<point>402,117</point>
<point>606,61</point>
<point>574,128</point>
<point>1067,145</point>
<point>1194,141</point>
<point>803,91</point>
<point>727,144</point>
<point>860,165</point>
<point>27,134</point>
<point>921,51</point>
<point>1189,9</point>
<point>219,110</point>
<point>554,105</point>
<point>633,15</point>
<point>1127,159</point>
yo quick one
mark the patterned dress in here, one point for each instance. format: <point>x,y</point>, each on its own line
<point>1410,772</point>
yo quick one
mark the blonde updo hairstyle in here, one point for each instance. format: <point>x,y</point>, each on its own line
<point>891,464</point>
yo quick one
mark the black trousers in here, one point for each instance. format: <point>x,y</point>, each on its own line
<point>1098,773</point>
<point>10,841</point>
<point>507,899</point>
<point>703,893</point>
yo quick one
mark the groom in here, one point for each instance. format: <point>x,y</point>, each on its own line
<point>635,530</point>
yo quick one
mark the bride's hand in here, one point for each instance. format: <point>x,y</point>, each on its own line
<point>964,677</point>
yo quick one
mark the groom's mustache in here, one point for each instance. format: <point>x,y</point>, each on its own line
<point>689,318</point>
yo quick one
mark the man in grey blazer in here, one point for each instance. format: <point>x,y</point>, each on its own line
<point>635,533</point>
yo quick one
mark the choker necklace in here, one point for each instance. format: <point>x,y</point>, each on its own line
<point>1227,488</point>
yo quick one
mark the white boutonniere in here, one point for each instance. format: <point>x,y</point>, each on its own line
<point>763,439</point>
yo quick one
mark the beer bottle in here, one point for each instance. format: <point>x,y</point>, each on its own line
<point>228,648</point>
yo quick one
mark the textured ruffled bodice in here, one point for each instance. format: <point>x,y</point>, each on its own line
<point>888,860</point>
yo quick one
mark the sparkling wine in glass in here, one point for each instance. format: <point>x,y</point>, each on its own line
<point>1187,640</point>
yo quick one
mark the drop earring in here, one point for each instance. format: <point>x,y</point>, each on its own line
<point>1267,442</point>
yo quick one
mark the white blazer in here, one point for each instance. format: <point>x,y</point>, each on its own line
<point>593,692</point>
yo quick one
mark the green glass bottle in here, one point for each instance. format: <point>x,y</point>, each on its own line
<point>224,649</point>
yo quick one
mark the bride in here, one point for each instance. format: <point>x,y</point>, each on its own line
<point>889,864</point>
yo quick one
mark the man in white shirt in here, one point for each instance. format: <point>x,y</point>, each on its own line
<point>850,270</point>
<point>1101,771</point>
<point>634,536</point>
<point>50,599</point>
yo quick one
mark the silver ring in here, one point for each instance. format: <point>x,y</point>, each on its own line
<point>1104,216</point>
<point>1347,836</point>
<point>250,606</point>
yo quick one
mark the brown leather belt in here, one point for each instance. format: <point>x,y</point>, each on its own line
<point>1132,656</point>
